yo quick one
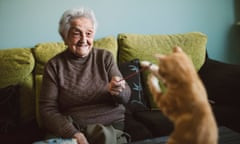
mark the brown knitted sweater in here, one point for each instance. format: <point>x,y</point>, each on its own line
<point>77,87</point>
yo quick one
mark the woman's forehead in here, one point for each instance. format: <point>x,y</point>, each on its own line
<point>81,24</point>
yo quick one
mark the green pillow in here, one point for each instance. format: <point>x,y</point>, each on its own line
<point>44,51</point>
<point>109,43</point>
<point>15,64</point>
<point>144,46</point>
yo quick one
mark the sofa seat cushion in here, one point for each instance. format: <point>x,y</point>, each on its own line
<point>155,121</point>
<point>136,129</point>
<point>15,64</point>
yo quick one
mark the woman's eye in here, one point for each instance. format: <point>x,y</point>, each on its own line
<point>89,34</point>
<point>75,34</point>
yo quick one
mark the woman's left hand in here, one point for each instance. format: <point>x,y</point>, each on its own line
<point>116,85</point>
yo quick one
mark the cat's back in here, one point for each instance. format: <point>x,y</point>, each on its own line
<point>201,128</point>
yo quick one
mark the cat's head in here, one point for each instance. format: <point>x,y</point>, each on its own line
<point>175,67</point>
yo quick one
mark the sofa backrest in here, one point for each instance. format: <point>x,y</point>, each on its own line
<point>24,66</point>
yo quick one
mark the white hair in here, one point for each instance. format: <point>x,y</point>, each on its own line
<point>68,15</point>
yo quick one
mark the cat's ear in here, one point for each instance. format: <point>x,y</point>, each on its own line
<point>177,49</point>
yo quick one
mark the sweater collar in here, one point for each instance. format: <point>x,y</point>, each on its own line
<point>75,58</point>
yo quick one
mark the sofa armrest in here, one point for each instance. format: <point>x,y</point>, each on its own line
<point>222,84</point>
<point>221,81</point>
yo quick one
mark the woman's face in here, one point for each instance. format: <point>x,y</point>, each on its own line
<point>80,36</point>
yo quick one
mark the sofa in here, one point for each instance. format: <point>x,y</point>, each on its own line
<point>21,71</point>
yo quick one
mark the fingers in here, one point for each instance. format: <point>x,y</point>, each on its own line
<point>116,85</point>
<point>81,139</point>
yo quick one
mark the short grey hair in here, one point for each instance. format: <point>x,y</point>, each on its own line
<point>68,15</point>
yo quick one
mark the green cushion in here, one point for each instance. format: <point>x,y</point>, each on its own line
<point>144,46</point>
<point>44,51</point>
<point>109,43</point>
<point>15,64</point>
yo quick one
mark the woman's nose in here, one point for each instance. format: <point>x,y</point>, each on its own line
<point>83,38</point>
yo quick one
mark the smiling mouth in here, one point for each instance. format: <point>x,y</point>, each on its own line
<point>82,45</point>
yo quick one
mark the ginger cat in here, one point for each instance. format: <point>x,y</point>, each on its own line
<point>185,101</point>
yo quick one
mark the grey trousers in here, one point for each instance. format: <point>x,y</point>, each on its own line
<point>100,134</point>
<point>95,133</point>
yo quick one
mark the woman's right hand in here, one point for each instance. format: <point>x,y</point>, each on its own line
<point>81,139</point>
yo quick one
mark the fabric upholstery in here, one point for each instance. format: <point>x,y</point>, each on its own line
<point>44,51</point>
<point>38,82</point>
<point>9,108</point>
<point>109,43</point>
<point>16,64</point>
<point>27,99</point>
<point>144,46</point>
<point>221,81</point>
<point>137,100</point>
<point>16,67</point>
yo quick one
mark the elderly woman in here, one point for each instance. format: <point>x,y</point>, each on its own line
<point>82,93</point>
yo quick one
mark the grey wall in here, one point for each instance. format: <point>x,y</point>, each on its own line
<point>24,23</point>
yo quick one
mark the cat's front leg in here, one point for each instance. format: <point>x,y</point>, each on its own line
<point>153,68</point>
<point>153,84</point>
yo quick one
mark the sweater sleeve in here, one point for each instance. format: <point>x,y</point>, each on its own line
<point>113,69</point>
<point>50,116</point>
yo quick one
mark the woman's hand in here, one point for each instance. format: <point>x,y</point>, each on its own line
<point>116,85</point>
<point>81,139</point>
